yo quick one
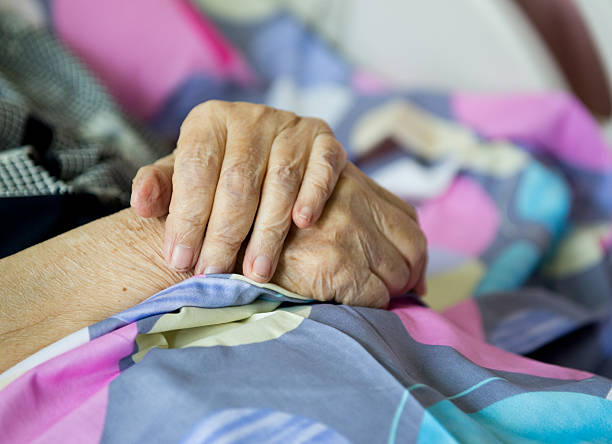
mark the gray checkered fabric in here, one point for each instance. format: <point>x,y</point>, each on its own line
<point>20,176</point>
<point>92,147</point>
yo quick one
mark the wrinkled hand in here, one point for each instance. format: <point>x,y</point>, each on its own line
<point>237,166</point>
<point>366,247</point>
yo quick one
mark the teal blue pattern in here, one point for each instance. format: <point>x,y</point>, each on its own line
<point>543,197</point>
<point>511,268</point>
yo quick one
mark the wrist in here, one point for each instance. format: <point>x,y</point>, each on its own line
<point>78,278</point>
<point>122,263</point>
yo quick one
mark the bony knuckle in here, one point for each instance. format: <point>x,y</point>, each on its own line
<point>255,113</point>
<point>210,106</point>
<point>204,110</point>
<point>288,115</point>
<point>291,119</point>
<point>285,173</point>
<point>321,125</point>
<point>159,176</point>
<point>196,113</point>
<point>239,181</point>
<point>197,159</point>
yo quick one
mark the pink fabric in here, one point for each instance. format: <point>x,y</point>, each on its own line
<point>142,59</point>
<point>556,124</point>
<point>473,216</point>
<point>84,424</point>
<point>35,402</point>
<point>466,315</point>
<point>428,327</point>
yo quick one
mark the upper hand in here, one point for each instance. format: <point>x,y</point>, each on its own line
<point>237,166</point>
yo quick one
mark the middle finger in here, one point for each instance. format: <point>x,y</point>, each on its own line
<point>286,166</point>
<point>236,198</point>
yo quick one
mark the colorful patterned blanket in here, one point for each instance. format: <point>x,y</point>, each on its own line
<point>218,359</point>
<point>514,193</point>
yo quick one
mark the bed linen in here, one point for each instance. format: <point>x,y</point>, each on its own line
<point>218,359</point>
<point>514,193</point>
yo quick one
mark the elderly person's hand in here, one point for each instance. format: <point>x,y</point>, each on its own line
<point>239,166</point>
<point>366,247</point>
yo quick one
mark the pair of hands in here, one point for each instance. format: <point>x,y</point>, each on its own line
<point>241,169</point>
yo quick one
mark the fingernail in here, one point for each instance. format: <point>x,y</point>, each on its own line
<point>182,257</point>
<point>305,214</point>
<point>211,269</point>
<point>261,267</point>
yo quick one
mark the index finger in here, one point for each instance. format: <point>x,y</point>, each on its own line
<point>198,159</point>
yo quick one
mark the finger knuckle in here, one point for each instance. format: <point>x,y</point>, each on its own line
<point>321,125</point>
<point>240,181</point>
<point>193,116</point>
<point>203,110</point>
<point>198,156</point>
<point>195,162</point>
<point>291,124</point>
<point>210,106</point>
<point>285,173</point>
<point>253,114</point>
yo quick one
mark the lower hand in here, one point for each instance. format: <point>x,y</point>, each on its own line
<point>366,247</point>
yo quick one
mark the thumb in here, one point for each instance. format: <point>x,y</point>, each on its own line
<point>152,188</point>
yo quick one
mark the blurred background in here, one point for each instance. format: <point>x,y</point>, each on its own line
<point>470,45</point>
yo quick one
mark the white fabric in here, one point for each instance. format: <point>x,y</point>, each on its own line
<point>440,44</point>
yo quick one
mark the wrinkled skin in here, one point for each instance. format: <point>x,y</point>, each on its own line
<point>366,247</point>
<point>239,166</point>
<point>250,164</point>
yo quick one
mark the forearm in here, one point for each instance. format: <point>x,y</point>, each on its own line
<point>78,278</point>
